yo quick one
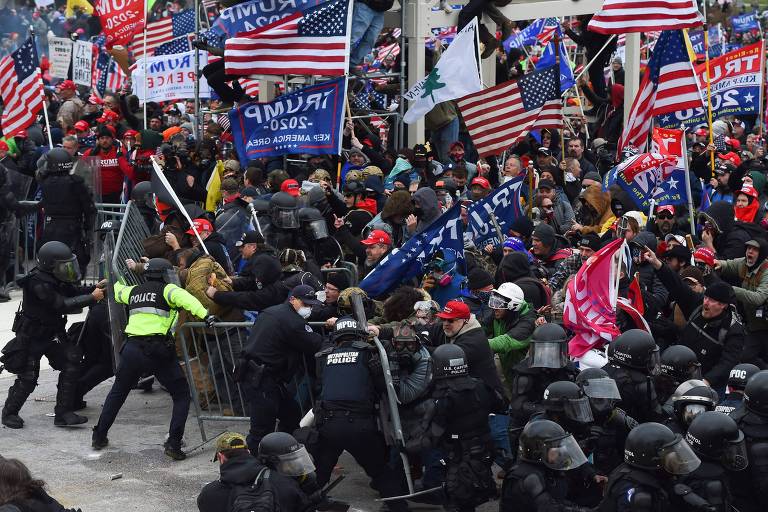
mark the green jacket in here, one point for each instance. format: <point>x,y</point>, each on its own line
<point>510,342</point>
<point>753,292</point>
<point>149,324</point>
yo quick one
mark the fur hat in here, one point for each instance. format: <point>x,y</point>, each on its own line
<point>399,203</point>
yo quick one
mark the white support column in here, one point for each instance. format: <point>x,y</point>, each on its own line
<point>632,72</point>
<point>416,30</point>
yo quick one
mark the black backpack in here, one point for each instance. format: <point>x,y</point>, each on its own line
<point>258,497</point>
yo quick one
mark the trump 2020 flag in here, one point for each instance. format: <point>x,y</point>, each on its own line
<point>445,234</point>
<point>305,121</point>
<point>642,176</point>
<point>590,300</point>
<point>455,75</point>
<point>504,204</point>
<point>548,59</point>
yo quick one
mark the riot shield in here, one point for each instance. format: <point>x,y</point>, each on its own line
<point>89,168</point>
<point>390,399</point>
<point>117,316</point>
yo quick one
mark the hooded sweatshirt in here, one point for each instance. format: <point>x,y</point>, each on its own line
<point>401,165</point>
<point>731,236</point>
<point>426,199</point>
<point>752,291</point>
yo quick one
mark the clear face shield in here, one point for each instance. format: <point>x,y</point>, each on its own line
<point>316,229</point>
<point>578,410</point>
<point>690,411</point>
<point>735,455</point>
<point>603,388</point>
<point>548,354</point>
<point>654,362</point>
<point>285,218</point>
<point>679,459</point>
<point>295,464</point>
<point>67,271</point>
<point>563,454</point>
<point>496,301</point>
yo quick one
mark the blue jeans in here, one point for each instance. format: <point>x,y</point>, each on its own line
<point>499,424</point>
<point>441,139</point>
<point>366,27</point>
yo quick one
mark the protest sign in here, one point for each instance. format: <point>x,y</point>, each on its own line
<point>169,77</point>
<point>745,22</point>
<point>736,80</point>
<point>120,19</point>
<point>60,55</point>
<point>82,63</point>
<point>306,121</point>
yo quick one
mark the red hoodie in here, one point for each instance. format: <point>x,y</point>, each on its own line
<point>113,168</point>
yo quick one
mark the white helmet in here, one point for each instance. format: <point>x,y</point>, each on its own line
<point>507,296</point>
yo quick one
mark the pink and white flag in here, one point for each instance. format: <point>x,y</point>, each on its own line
<point>590,301</point>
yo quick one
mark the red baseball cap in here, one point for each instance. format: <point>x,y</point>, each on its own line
<point>705,255</point>
<point>200,225</point>
<point>81,126</point>
<point>3,145</point>
<point>130,133</point>
<point>21,134</point>
<point>734,143</point>
<point>377,236</point>
<point>68,84</point>
<point>454,309</point>
<point>291,187</point>
<point>482,182</point>
<point>701,132</point>
<point>666,208</point>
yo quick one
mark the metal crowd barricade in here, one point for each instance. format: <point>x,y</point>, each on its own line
<point>133,230</point>
<point>209,357</point>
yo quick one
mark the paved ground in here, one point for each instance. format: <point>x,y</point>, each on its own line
<point>149,481</point>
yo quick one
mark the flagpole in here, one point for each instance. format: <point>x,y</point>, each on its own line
<point>556,49</point>
<point>42,91</point>
<point>479,57</point>
<point>195,120</point>
<point>709,90</point>
<point>338,164</point>
<point>144,58</point>
<point>684,152</point>
<point>576,79</point>
<point>760,115</point>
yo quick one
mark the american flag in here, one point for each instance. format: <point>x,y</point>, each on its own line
<point>548,32</point>
<point>99,78</point>
<point>498,116</point>
<point>668,85</point>
<point>622,16</point>
<point>21,88</point>
<point>163,31</point>
<point>179,45</point>
<point>116,78</point>
<point>310,42</point>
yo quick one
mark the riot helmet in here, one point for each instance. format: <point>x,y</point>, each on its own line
<point>283,453</point>
<point>600,388</point>
<point>566,397</point>
<point>507,296</point>
<point>313,223</point>
<point>158,269</point>
<point>653,446</point>
<point>347,328</point>
<point>679,363</point>
<point>449,361</point>
<point>635,349</point>
<point>545,442</point>
<point>143,195</point>
<point>406,338</point>
<point>715,436</point>
<point>58,161</point>
<point>694,402</point>
<point>756,393</point>
<point>740,375</point>
<point>283,211</point>
<point>57,259</point>
<point>549,348</point>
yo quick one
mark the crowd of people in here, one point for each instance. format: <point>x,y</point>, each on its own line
<point>460,381</point>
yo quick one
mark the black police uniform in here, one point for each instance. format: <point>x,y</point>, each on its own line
<point>730,402</point>
<point>279,340</point>
<point>39,323</point>
<point>69,208</point>
<point>750,491</point>
<point>606,439</point>
<point>345,417</point>
<point>528,385</point>
<point>633,490</point>
<point>638,393</point>
<point>549,492</point>
<point>737,381</point>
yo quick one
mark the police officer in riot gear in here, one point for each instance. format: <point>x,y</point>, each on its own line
<point>751,491</point>
<point>653,456</point>
<point>152,311</point>
<point>284,220</point>
<point>718,442</point>
<point>734,389</point>
<point>678,364</point>
<point>459,428</point>
<point>144,199</point>
<point>633,360</point>
<point>687,406</point>
<point>547,361</point>
<point>69,208</point>
<point>50,293</point>
<point>611,424</point>
<point>566,404</point>
<point>538,481</point>
<point>345,416</point>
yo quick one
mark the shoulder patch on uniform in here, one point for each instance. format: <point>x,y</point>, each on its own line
<point>630,493</point>
<point>307,328</point>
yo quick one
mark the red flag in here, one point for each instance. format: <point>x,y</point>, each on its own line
<point>120,19</point>
<point>623,16</point>
<point>590,301</point>
<point>634,294</point>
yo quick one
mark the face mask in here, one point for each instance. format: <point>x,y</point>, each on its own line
<point>483,296</point>
<point>304,312</point>
<point>418,212</point>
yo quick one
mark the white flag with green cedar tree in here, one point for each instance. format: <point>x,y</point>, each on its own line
<point>456,74</point>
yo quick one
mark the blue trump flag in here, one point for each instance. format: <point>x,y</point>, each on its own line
<point>649,176</point>
<point>548,59</point>
<point>527,36</point>
<point>504,203</point>
<point>305,121</point>
<point>445,234</point>
<point>745,22</point>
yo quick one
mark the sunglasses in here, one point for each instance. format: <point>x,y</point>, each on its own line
<point>666,216</point>
<point>409,344</point>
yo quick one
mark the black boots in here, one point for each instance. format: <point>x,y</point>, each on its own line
<point>11,420</point>
<point>174,452</point>
<point>98,441</point>
<point>69,419</point>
